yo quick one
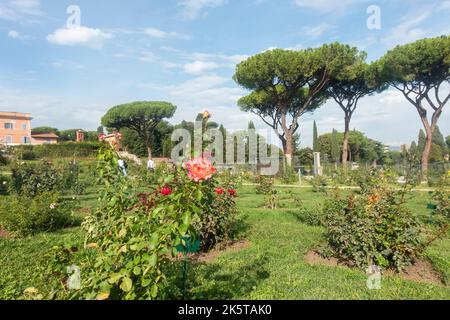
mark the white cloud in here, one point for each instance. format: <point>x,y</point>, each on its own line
<point>160,34</point>
<point>155,33</point>
<point>20,10</point>
<point>199,67</point>
<point>52,110</point>
<point>79,36</point>
<point>445,5</point>
<point>200,63</point>
<point>14,34</point>
<point>147,56</point>
<point>214,93</point>
<point>295,48</point>
<point>316,31</point>
<point>192,9</point>
<point>325,5</point>
<point>407,30</point>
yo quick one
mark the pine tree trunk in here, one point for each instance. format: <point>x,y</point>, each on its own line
<point>345,144</point>
<point>149,151</point>
<point>289,149</point>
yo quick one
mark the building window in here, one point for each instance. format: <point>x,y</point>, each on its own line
<point>9,125</point>
<point>26,140</point>
<point>24,126</point>
<point>8,139</point>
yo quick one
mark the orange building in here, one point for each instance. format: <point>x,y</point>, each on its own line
<point>15,128</point>
<point>44,138</point>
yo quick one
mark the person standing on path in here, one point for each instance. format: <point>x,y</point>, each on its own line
<point>150,165</point>
<point>123,167</point>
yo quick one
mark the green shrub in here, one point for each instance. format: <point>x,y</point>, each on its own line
<point>3,159</point>
<point>231,179</point>
<point>4,185</point>
<point>264,185</point>
<point>217,221</point>
<point>32,179</point>
<point>442,198</point>
<point>289,176</point>
<point>373,228</point>
<point>25,216</point>
<point>313,217</point>
<point>57,151</point>
<point>320,184</point>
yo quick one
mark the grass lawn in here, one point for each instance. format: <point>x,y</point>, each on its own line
<point>271,266</point>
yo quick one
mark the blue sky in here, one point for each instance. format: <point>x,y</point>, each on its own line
<point>185,51</point>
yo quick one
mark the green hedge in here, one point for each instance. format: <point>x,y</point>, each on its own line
<point>60,150</point>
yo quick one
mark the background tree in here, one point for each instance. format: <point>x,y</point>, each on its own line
<point>447,140</point>
<point>361,148</point>
<point>142,117</point>
<point>45,129</point>
<point>316,147</point>
<point>421,142</point>
<point>414,152</point>
<point>420,70</point>
<point>287,84</point>
<point>335,152</point>
<point>354,82</point>
<point>161,143</point>
<point>305,157</point>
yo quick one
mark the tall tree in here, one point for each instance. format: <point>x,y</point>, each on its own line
<point>142,117</point>
<point>438,138</point>
<point>354,82</point>
<point>335,147</point>
<point>287,84</point>
<point>421,142</point>
<point>414,152</point>
<point>421,70</point>
<point>316,147</point>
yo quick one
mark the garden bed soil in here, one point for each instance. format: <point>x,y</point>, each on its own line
<point>4,234</point>
<point>421,271</point>
<point>213,254</point>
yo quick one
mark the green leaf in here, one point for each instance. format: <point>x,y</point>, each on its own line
<point>146,282</point>
<point>137,271</point>
<point>152,260</point>
<point>114,278</point>
<point>126,285</point>
<point>122,233</point>
<point>187,218</point>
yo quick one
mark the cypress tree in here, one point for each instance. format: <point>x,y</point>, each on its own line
<point>315,138</point>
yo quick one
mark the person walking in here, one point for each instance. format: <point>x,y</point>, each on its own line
<point>123,167</point>
<point>150,165</point>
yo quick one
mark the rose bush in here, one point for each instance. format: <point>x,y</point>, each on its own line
<point>32,179</point>
<point>24,216</point>
<point>372,227</point>
<point>133,234</point>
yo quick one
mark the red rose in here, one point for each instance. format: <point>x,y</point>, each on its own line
<point>232,192</point>
<point>220,191</point>
<point>166,191</point>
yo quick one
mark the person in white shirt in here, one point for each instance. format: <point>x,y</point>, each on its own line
<point>150,165</point>
<point>123,167</point>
